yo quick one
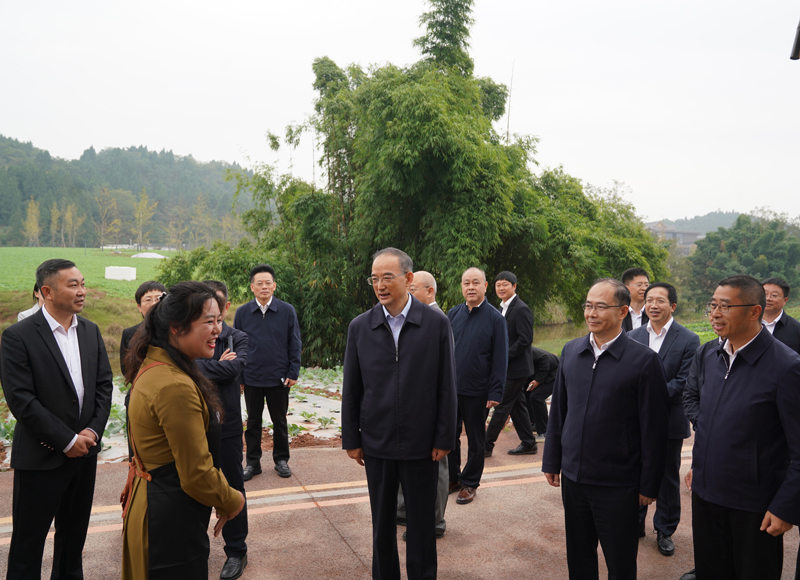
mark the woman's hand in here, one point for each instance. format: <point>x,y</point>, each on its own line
<point>222,520</point>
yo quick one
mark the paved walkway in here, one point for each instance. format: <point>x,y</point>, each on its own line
<point>316,525</point>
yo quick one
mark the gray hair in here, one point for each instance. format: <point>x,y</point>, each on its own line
<point>621,293</point>
<point>406,264</point>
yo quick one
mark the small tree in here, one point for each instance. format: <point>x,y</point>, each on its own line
<point>55,214</point>
<point>446,34</point>
<point>142,213</point>
<point>109,222</point>
<point>31,224</point>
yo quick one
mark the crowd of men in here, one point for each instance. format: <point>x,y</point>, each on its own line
<point>624,398</point>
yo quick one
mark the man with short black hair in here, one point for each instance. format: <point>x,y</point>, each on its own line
<point>519,323</point>
<point>676,347</point>
<point>775,319</point>
<point>749,415</point>
<point>607,436</point>
<point>273,366</point>
<point>57,382</point>
<point>636,280</point>
<point>147,294</point>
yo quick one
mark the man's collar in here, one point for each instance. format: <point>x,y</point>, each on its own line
<point>404,312</point>
<point>664,329</point>
<point>269,303</point>
<point>777,318</point>
<point>751,351</point>
<point>474,307</point>
<point>506,303</point>
<point>53,323</point>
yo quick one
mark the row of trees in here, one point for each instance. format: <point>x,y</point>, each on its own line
<point>411,159</point>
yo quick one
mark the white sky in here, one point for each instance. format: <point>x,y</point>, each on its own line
<point>693,105</point>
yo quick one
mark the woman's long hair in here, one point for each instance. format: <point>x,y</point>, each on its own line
<point>176,310</point>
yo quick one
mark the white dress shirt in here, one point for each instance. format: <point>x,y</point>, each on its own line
<point>732,353</point>
<point>656,340</point>
<point>771,325</point>
<point>504,305</point>
<point>264,307</point>
<point>598,350</point>
<point>68,345</point>
<point>29,312</point>
<point>396,322</point>
<point>636,319</point>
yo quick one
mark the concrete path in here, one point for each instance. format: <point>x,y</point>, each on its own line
<point>316,525</point>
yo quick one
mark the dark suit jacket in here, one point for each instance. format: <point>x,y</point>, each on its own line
<point>694,382</point>
<point>226,374</point>
<point>747,446</point>
<point>124,345</point>
<point>787,330</point>
<point>609,417</point>
<point>40,394</point>
<point>676,354</point>
<point>545,366</point>
<point>627,322</point>
<point>519,320</point>
<point>399,404</point>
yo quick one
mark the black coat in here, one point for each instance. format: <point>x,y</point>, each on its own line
<point>40,394</point>
<point>124,345</point>
<point>609,417</point>
<point>519,320</point>
<point>676,354</point>
<point>227,375</point>
<point>787,330</point>
<point>694,382</point>
<point>545,366</point>
<point>399,404</point>
<point>627,322</point>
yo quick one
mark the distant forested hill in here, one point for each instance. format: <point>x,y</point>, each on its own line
<point>705,223</point>
<point>100,197</point>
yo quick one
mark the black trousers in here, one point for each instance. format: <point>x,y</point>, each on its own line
<point>729,545</point>
<point>604,513</point>
<point>64,493</point>
<point>471,416</point>
<point>278,404</point>
<point>234,532</point>
<point>668,503</point>
<point>513,404</point>
<point>418,478</point>
<point>537,406</point>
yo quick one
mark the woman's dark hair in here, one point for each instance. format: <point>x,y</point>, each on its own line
<point>177,310</point>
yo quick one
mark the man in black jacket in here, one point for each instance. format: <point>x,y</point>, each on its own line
<point>636,280</point>
<point>540,386</point>
<point>225,370</point>
<point>780,325</point>
<point>147,294</point>
<point>399,412</point>
<point>519,321</point>
<point>57,382</point>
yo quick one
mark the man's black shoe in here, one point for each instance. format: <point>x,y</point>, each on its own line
<point>641,530</point>
<point>233,568</point>
<point>250,471</point>
<point>665,544</point>
<point>523,449</point>
<point>487,452</point>
<point>690,575</point>
<point>283,469</point>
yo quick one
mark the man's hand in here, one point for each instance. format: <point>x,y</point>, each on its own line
<point>490,404</point>
<point>222,520</point>
<point>438,454</point>
<point>645,500</point>
<point>553,479</point>
<point>290,382</point>
<point>774,525</point>
<point>357,454</point>
<point>688,479</point>
<point>82,444</point>
<point>533,385</point>
<point>228,355</point>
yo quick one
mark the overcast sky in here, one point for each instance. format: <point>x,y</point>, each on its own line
<point>695,106</point>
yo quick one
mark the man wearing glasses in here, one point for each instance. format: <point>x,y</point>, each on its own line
<point>607,436</point>
<point>273,365</point>
<point>399,412</point>
<point>745,476</point>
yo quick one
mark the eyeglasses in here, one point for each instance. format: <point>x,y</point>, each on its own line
<point>386,279</point>
<point>588,307</point>
<point>262,283</point>
<point>658,301</point>
<point>640,284</point>
<point>723,308</point>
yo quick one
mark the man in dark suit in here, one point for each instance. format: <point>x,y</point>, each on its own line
<point>147,294</point>
<point>399,412</point>
<point>607,436</point>
<point>57,383</point>
<point>745,476</point>
<point>636,280</point>
<point>676,347</point>
<point>225,370</point>
<point>519,320</point>
<point>540,386</point>
<point>780,325</point>
<point>274,343</point>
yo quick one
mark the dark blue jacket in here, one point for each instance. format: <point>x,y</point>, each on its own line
<point>609,418</point>
<point>694,382</point>
<point>274,343</point>
<point>399,404</point>
<point>226,374</point>
<point>676,354</point>
<point>746,452</point>
<point>787,330</point>
<point>481,350</point>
